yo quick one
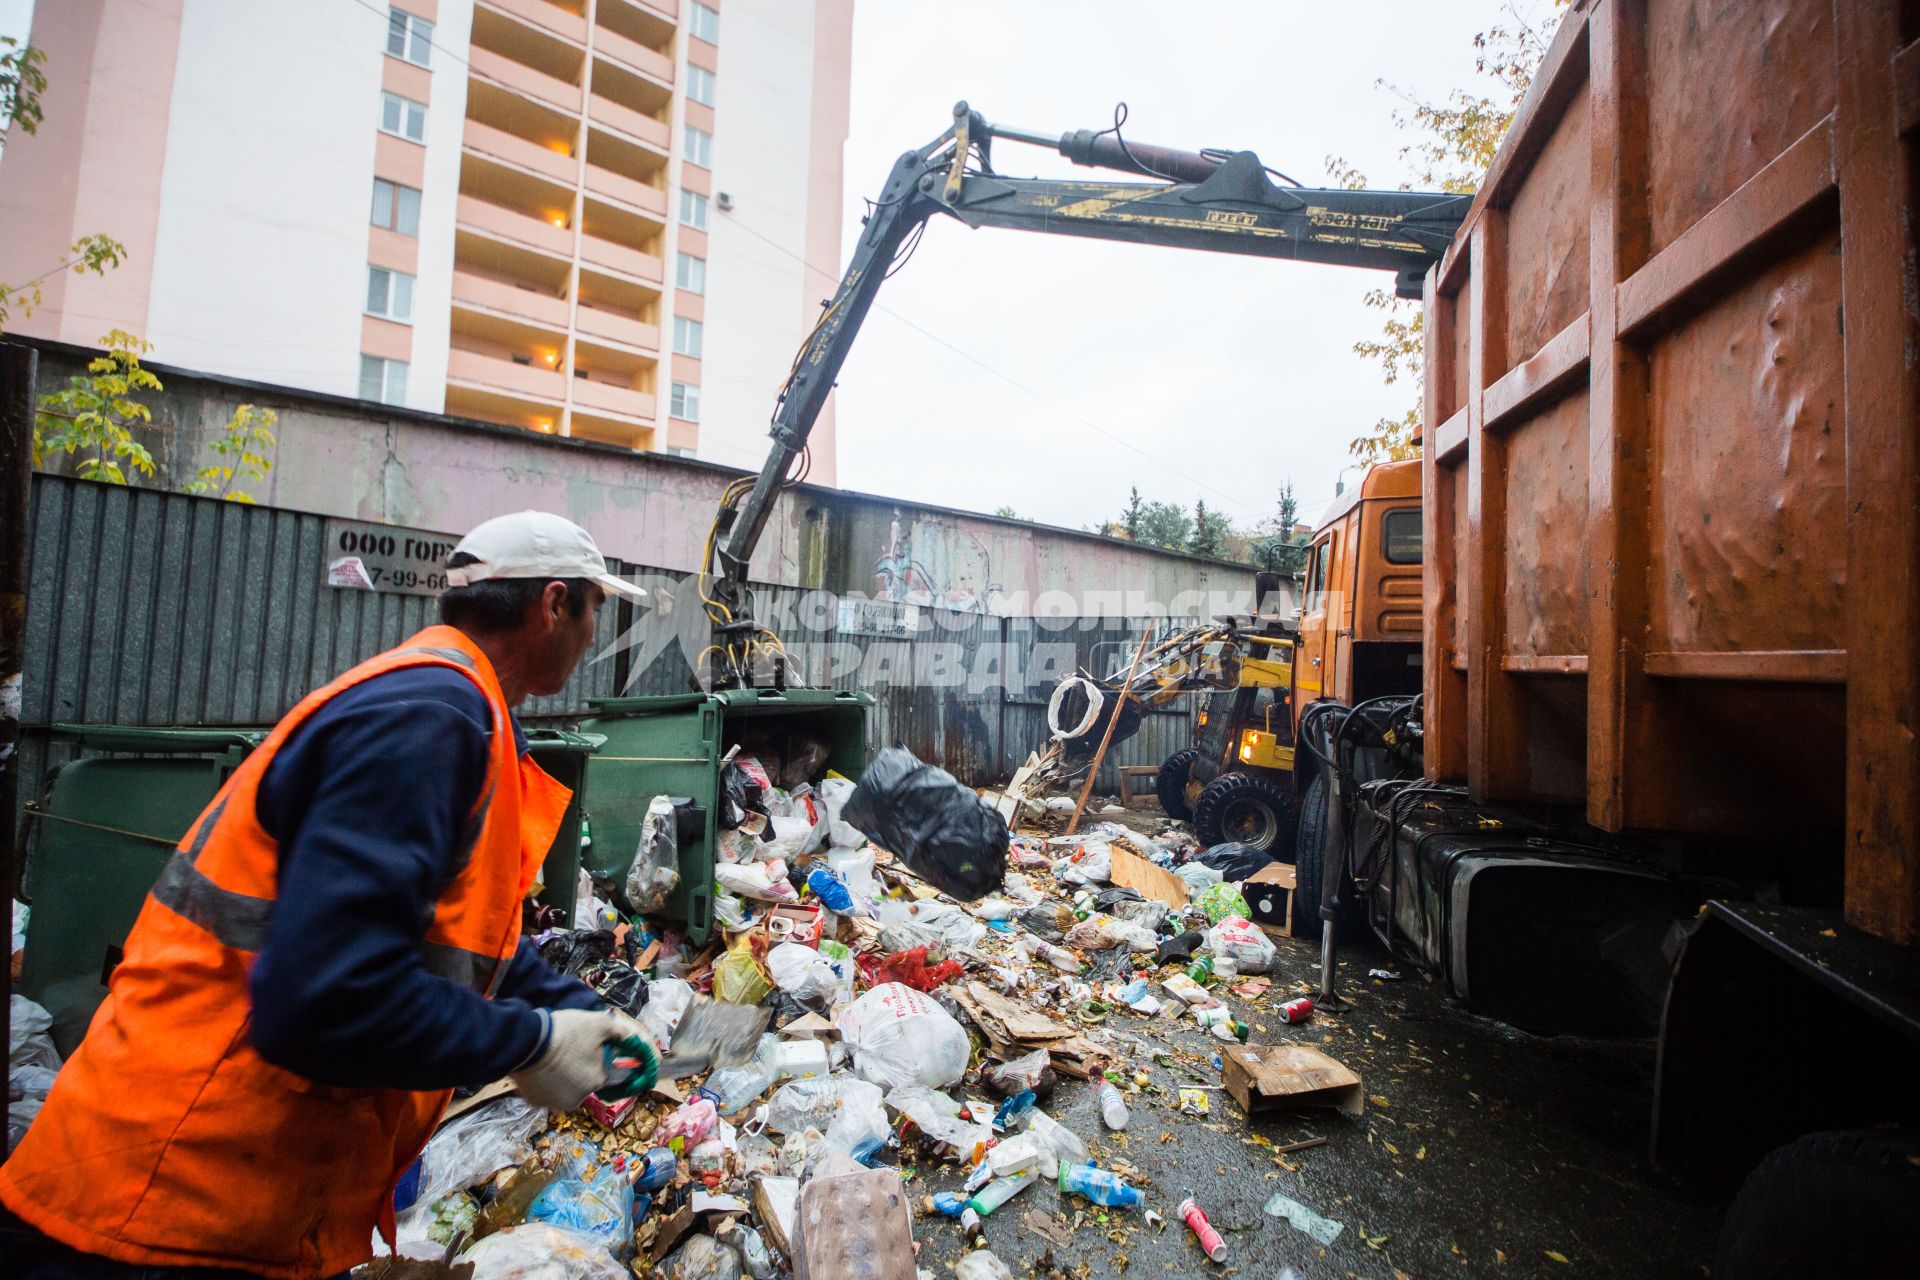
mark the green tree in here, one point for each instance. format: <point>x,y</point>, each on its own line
<point>1278,546</point>
<point>240,454</point>
<point>96,414</point>
<point>1210,530</point>
<point>1130,518</point>
<point>21,84</point>
<point>1164,524</point>
<point>1454,143</point>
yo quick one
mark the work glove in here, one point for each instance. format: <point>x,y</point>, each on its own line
<point>577,1058</point>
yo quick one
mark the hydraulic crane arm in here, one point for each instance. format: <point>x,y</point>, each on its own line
<point>1221,201</point>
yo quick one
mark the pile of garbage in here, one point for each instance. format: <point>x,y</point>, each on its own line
<point>875,1011</point>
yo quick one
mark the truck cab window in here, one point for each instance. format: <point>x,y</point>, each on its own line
<point>1317,576</point>
<point>1400,536</point>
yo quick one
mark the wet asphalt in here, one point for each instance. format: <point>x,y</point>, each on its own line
<point>1483,1151</point>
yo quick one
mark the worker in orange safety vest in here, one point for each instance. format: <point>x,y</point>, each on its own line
<point>333,947</point>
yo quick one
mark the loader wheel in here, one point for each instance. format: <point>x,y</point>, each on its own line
<point>1245,808</point>
<point>1828,1204</point>
<point>1170,784</point>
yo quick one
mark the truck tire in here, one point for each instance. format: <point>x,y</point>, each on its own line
<point>1170,784</point>
<point>1309,859</point>
<point>1245,808</point>
<point>1829,1204</point>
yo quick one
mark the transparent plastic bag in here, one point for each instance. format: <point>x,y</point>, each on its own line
<point>900,1036</point>
<point>667,1003</point>
<point>473,1147</point>
<point>738,978</point>
<point>800,1105</point>
<point>1062,1144</point>
<point>766,881</point>
<point>602,1209</point>
<point>656,863</point>
<point>701,1258</point>
<point>541,1251</point>
<point>938,1116</point>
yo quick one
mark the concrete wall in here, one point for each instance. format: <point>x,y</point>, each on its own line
<point>348,458</point>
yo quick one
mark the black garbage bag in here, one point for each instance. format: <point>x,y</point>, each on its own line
<point>1235,862</point>
<point>1180,948</point>
<point>618,983</point>
<point>1111,898</point>
<point>572,950</point>
<point>946,835</point>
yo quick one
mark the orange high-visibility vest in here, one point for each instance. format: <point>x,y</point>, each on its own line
<point>167,1141</point>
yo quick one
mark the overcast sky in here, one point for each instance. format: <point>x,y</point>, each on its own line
<point>1227,376</point>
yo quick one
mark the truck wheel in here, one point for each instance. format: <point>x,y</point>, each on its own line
<point>1170,784</point>
<point>1309,859</point>
<point>1828,1204</point>
<point>1245,808</point>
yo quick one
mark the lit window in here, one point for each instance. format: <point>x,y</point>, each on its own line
<point>693,210</point>
<point>700,85</point>
<point>685,402</point>
<point>389,294</point>
<point>705,24</point>
<point>699,147</point>
<point>395,207</point>
<point>403,117</point>
<point>690,273</point>
<point>383,380</point>
<point>409,37</point>
<point>686,337</point>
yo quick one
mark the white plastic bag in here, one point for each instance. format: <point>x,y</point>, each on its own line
<point>951,925</point>
<point>765,881</point>
<point>656,863</point>
<point>816,1104</point>
<point>841,834</point>
<point>1243,942</point>
<point>667,1002</point>
<point>802,972</point>
<point>1198,876</point>
<point>855,869</point>
<point>473,1147</point>
<point>900,1036</point>
<point>536,1251</point>
<point>32,1064</point>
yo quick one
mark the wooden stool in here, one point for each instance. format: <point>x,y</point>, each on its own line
<point>1129,775</point>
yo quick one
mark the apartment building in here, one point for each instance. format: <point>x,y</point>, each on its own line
<point>605,219</point>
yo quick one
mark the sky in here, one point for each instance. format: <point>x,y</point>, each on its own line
<point>1052,374</point>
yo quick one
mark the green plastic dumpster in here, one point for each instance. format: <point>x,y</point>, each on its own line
<point>107,823</point>
<point>673,745</point>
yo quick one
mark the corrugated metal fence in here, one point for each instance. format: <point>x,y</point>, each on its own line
<point>150,608</point>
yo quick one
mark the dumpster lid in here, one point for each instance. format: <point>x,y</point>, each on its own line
<point>566,740</point>
<point>161,739</point>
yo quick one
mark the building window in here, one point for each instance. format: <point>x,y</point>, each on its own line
<point>686,337</point>
<point>403,117</point>
<point>409,37</point>
<point>705,24</point>
<point>699,147</point>
<point>693,210</point>
<point>700,85</point>
<point>390,294</point>
<point>383,380</point>
<point>690,273</point>
<point>685,402</point>
<point>395,207</point>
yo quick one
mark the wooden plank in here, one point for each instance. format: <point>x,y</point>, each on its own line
<point>1557,365</point>
<point>1617,428</point>
<point>1737,230</point>
<point>1795,666</point>
<point>1552,664</point>
<point>1496,724</point>
<point>1131,871</point>
<point>1906,87</point>
<point>1883,479</point>
<point>1450,439</point>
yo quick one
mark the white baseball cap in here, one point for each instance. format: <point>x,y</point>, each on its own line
<point>535,544</point>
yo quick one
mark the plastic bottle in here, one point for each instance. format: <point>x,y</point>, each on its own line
<point>733,1089</point>
<point>832,893</point>
<point>1012,1108</point>
<point>1063,1145</point>
<point>656,1170</point>
<point>998,1192</point>
<point>1201,970</point>
<point>1113,1108</point>
<point>1101,1186</point>
<point>1208,1015</point>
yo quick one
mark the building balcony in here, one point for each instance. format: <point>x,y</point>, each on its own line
<point>499,69</point>
<point>492,219</point>
<point>614,186</point>
<point>548,386</point>
<point>633,55</point>
<point>564,23</point>
<point>611,326</point>
<point>635,124</point>
<point>610,398</point>
<point>617,257</point>
<point>470,290</point>
<point>497,144</point>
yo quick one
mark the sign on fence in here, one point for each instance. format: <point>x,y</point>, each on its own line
<point>381,557</point>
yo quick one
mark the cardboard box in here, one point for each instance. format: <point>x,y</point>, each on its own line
<point>1274,1077</point>
<point>794,924</point>
<point>1269,895</point>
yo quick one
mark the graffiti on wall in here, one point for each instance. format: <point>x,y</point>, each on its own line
<point>936,565</point>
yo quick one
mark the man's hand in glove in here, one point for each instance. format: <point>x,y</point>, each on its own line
<point>574,1061</point>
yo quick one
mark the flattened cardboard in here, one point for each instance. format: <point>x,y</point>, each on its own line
<point>1131,871</point>
<point>1272,1077</point>
<point>810,1026</point>
<point>1269,895</point>
<point>777,1200</point>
